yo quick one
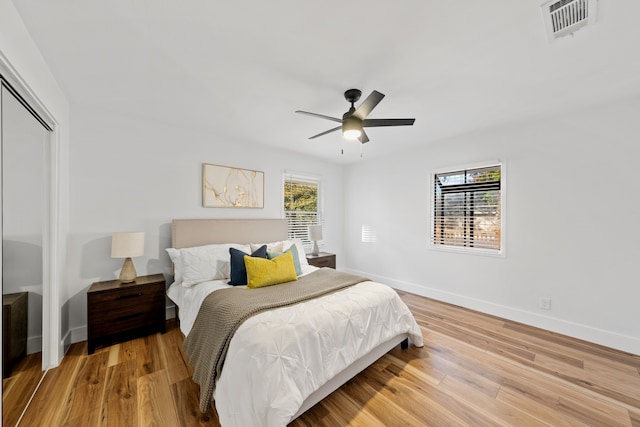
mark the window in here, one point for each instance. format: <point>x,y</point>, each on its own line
<point>301,205</point>
<point>467,206</point>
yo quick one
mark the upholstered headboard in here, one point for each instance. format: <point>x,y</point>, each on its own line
<point>187,233</point>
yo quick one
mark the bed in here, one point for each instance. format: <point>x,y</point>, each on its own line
<point>281,362</point>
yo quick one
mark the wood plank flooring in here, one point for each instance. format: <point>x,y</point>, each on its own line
<point>474,370</point>
<point>18,388</point>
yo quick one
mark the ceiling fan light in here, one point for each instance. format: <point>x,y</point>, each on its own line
<point>352,134</point>
<point>351,128</point>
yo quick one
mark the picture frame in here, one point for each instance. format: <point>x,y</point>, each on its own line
<point>231,187</point>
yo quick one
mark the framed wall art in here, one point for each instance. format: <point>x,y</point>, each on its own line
<point>228,187</point>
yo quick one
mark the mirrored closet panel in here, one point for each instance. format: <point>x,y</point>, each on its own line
<point>24,141</point>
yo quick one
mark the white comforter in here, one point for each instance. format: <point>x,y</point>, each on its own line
<point>278,358</point>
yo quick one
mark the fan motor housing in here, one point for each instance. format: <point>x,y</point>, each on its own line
<point>352,95</point>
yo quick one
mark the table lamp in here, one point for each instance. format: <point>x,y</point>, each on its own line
<point>315,234</point>
<point>127,245</point>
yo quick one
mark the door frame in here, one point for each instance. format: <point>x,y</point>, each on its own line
<point>52,345</point>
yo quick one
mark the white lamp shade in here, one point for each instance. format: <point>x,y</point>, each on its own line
<point>127,245</point>
<point>315,232</point>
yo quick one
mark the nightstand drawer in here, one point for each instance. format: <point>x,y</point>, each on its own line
<point>324,262</point>
<point>122,323</point>
<point>123,299</point>
<point>323,259</point>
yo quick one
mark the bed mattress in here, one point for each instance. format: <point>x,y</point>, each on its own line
<point>278,358</point>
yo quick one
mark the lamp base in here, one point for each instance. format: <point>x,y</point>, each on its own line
<point>128,272</point>
<point>316,249</point>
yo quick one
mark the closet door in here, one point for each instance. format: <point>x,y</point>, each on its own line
<point>24,142</point>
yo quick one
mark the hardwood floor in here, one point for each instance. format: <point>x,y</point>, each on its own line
<point>19,386</point>
<point>474,370</point>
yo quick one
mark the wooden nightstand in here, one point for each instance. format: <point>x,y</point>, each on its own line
<point>119,311</point>
<point>323,259</point>
<point>15,309</point>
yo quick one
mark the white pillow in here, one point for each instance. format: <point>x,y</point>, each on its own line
<point>271,247</point>
<point>176,259</point>
<point>209,262</point>
<point>302,255</point>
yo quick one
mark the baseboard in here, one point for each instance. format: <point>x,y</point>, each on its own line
<point>170,312</point>
<point>66,342</point>
<point>553,324</point>
<point>78,334</point>
<point>34,344</point>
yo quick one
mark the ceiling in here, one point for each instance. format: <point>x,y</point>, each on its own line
<point>240,69</point>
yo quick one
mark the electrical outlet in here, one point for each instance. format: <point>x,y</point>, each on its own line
<point>545,303</point>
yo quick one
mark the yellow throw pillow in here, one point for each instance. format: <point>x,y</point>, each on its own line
<point>267,272</point>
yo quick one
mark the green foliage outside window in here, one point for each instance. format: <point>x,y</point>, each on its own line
<point>300,197</point>
<point>301,208</point>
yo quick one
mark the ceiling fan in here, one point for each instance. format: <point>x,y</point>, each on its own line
<point>355,120</point>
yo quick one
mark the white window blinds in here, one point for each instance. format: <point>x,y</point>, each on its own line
<point>467,209</point>
<point>301,205</point>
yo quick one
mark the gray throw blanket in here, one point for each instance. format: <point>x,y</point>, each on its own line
<point>223,311</point>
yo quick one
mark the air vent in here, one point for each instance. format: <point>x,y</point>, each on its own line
<point>562,17</point>
<point>368,234</point>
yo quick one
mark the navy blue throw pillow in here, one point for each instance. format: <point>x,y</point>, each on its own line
<point>238,269</point>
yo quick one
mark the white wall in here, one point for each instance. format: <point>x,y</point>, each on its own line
<point>571,234</point>
<point>19,56</point>
<point>128,174</point>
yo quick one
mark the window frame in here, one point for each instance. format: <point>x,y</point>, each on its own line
<point>503,210</point>
<point>312,179</point>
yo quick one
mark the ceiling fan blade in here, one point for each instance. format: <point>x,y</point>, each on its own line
<point>334,119</point>
<point>326,132</point>
<point>387,122</point>
<point>368,104</point>
<point>363,137</point>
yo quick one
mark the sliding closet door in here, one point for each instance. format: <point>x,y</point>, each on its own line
<point>24,143</point>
